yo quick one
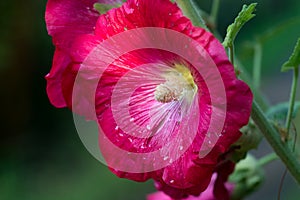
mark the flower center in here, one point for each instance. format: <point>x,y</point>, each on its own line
<point>179,84</point>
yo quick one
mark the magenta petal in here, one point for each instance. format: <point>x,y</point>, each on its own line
<point>83,45</point>
<point>65,20</point>
<point>208,194</point>
<point>140,13</point>
<point>158,196</point>
<point>220,189</point>
<point>54,87</point>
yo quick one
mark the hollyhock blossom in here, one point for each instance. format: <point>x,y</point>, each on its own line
<point>150,100</point>
<point>208,194</point>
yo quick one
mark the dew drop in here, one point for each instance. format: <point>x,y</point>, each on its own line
<point>131,119</point>
<point>166,157</point>
<point>130,140</point>
<point>148,127</point>
<point>180,148</point>
<point>172,181</point>
<point>117,128</point>
<point>121,134</point>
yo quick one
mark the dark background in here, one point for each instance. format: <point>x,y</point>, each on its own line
<point>41,154</point>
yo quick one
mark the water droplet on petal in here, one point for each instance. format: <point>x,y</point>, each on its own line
<point>166,157</point>
<point>172,181</point>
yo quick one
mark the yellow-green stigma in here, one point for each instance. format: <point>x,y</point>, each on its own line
<point>179,84</point>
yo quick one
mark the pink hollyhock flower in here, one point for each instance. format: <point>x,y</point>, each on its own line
<point>208,194</point>
<point>66,19</point>
<point>170,104</point>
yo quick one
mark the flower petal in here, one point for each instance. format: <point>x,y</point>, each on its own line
<point>65,20</point>
<point>208,194</point>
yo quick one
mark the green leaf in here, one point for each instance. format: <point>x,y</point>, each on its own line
<point>191,10</point>
<point>244,16</point>
<point>102,8</point>
<point>294,60</point>
<point>247,177</point>
<point>250,138</point>
<point>279,112</point>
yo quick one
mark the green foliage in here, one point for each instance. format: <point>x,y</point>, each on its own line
<point>244,16</point>
<point>279,112</point>
<point>247,176</point>
<point>102,8</point>
<point>294,60</point>
<point>250,139</point>
<point>192,11</point>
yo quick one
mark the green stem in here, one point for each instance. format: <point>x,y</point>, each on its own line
<point>214,11</point>
<point>282,26</point>
<point>257,64</point>
<point>231,56</point>
<point>292,99</point>
<point>274,139</point>
<point>190,10</point>
<point>259,97</point>
<point>267,159</point>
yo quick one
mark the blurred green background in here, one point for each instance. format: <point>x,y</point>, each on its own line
<point>42,156</point>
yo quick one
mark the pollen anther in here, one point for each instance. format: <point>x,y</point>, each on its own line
<point>178,82</point>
